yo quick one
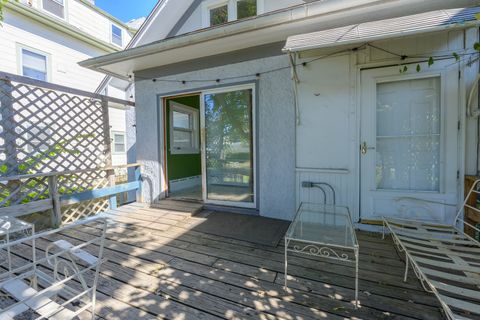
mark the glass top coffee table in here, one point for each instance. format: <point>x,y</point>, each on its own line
<point>325,231</point>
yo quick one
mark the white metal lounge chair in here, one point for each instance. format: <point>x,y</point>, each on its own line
<point>61,284</point>
<point>445,259</point>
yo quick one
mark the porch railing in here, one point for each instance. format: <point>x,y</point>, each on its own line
<point>57,196</point>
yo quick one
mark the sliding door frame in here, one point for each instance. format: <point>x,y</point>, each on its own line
<point>249,86</point>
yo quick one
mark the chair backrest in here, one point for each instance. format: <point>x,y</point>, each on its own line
<point>460,219</point>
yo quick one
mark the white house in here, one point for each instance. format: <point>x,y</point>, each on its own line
<point>45,40</point>
<point>250,104</point>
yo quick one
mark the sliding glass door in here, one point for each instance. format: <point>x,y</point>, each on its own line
<point>228,146</point>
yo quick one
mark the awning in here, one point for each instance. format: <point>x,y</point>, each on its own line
<point>384,29</point>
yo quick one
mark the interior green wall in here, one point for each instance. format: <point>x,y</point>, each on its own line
<point>182,165</point>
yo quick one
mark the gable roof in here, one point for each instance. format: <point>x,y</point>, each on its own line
<point>156,20</point>
<point>267,28</point>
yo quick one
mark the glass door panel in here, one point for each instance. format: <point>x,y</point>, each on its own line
<point>408,135</point>
<point>229,147</point>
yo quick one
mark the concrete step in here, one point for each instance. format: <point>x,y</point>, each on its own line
<point>191,208</point>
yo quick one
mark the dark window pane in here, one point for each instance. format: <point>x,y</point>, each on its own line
<point>55,7</point>
<point>117,35</point>
<point>219,15</point>
<point>35,74</point>
<point>246,8</point>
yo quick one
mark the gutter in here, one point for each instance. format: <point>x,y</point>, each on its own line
<point>60,26</point>
<point>297,14</point>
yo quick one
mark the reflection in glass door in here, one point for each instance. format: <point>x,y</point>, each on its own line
<point>228,147</point>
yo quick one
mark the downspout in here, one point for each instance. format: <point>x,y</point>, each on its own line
<point>295,82</point>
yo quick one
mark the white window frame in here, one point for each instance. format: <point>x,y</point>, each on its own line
<point>194,116</point>
<point>232,9</point>
<point>111,35</point>
<point>112,135</point>
<point>21,47</point>
<point>40,4</point>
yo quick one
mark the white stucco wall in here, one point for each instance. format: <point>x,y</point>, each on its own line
<point>276,133</point>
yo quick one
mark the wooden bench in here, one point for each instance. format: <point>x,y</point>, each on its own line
<point>444,258</point>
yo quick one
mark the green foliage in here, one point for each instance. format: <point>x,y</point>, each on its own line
<point>36,190</point>
<point>2,5</point>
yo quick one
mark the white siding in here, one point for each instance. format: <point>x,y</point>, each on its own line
<point>86,19</point>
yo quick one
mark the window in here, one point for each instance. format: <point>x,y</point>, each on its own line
<point>55,7</point>
<point>118,142</point>
<point>217,12</point>
<point>219,15</point>
<point>183,129</point>
<point>34,65</point>
<point>246,8</point>
<point>117,36</point>
<point>409,135</point>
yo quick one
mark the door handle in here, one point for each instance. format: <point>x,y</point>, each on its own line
<point>364,148</point>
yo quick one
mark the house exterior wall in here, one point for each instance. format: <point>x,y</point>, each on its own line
<point>63,52</point>
<point>329,108</point>
<point>86,18</point>
<point>324,144</point>
<point>275,134</point>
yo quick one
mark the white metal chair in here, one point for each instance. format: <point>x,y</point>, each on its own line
<point>445,259</point>
<point>57,282</point>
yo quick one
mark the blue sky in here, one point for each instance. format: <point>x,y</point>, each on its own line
<point>126,10</point>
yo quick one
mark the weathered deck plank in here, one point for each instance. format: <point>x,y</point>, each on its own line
<point>158,267</point>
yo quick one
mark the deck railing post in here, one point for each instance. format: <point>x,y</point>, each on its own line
<point>138,177</point>
<point>111,182</point>
<point>55,197</point>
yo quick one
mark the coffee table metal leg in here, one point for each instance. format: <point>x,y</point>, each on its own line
<point>356,278</point>
<point>286,263</point>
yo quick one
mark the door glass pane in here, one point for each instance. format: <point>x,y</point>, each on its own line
<point>219,15</point>
<point>408,135</point>
<point>229,146</point>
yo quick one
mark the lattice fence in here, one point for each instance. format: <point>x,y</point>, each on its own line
<point>44,130</point>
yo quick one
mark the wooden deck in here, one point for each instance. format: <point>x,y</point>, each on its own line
<point>159,268</point>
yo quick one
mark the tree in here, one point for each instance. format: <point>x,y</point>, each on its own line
<point>2,5</point>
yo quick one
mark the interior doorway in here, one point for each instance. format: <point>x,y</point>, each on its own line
<point>210,146</point>
<point>182,146</point>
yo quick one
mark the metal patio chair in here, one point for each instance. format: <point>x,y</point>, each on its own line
<point>445,259</point>
<point>49,277</point>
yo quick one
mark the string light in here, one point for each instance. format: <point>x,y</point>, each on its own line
<point>257,75</point>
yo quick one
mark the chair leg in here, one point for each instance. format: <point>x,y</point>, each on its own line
<point>406,269</point>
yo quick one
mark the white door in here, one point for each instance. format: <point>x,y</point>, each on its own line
<point>228,146</point>
<point>409,141</point>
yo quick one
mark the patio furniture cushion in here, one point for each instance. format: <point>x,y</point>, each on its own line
<point>79,253</point>
<point>41,304</point>
<point>446,260</point>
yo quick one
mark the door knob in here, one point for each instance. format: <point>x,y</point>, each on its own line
<point>364,148</point>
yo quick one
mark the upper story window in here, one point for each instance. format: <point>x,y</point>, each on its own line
<point>55,7</point>
<point>246,8</point>
<point>219,15</point>
<point>117,36</point>
<point>216,12</point>
<point>34,65</point>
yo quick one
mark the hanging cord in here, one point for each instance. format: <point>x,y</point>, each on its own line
<point>295,82</point>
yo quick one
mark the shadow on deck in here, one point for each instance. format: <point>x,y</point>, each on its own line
<point>158,267</point>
